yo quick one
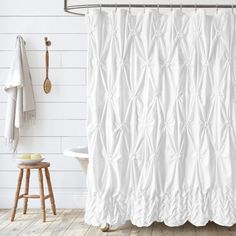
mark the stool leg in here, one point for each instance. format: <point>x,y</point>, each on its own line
<point>20,176</point>
<point>50,191</point>
<point>42,200</point>
<point>26,190</point>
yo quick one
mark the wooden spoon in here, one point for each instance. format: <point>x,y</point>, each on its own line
<point>47,85</point>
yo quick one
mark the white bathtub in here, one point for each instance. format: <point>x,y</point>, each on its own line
<point>81,154</point>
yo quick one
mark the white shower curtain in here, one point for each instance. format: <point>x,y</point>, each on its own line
<point>161,120</point>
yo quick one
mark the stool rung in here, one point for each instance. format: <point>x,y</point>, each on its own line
<point>47,196</point>
<point>21,196</point>
<point>31,196</point>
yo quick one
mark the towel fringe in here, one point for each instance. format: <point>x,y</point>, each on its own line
<point>29,118</point>
<point>29,115</point>
<point>10,144</point>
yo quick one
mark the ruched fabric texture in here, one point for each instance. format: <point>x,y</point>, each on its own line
<point>161,118</point>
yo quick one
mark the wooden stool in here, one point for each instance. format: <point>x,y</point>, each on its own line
<point>39,166</point>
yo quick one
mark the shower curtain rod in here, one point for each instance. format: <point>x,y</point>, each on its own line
<point>71,8</point>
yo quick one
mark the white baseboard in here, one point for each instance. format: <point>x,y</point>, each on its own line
<point>64,198</point>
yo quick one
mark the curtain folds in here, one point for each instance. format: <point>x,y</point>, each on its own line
<point>161,119</point>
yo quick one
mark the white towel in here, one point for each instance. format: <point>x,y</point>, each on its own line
<point>21,103</point>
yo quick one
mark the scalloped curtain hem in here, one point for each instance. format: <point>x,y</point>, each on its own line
<point>173,209</point>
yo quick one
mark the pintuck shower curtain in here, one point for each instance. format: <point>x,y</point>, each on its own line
<point>161,119</point>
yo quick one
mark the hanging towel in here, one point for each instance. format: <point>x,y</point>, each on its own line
<point>21,103</point>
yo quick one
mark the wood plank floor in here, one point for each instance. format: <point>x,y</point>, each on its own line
<point>69,222</point>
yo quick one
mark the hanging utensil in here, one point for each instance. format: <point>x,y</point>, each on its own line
<point>47,85</point>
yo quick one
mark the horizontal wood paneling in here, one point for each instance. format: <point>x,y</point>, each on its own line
<point>58,76</point>
<point>32,25</point>
<point>74,59</point>
<point>57,59</point>
<point>39,145</point>
<point>61,114</point>
<point>28,7</point>
<point>52,128</point>
<point>57,94</point>
<point>61,94</point>
<point>61,42</point>
<point>58,111</point>
<point>34,144</point>
<point>69,142</point>
<point>45,145</point>
<point>61,111</point>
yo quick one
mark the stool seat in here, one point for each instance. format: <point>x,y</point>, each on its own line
<point>39,166</point>
<point>34,166</point>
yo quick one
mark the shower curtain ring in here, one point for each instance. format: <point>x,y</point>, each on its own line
<point>158,8</point>
<point>129,8</point>
<point>116,7</point>
<point>181,8</point>
<point>195,7</point>
<point>232,8</point>
<point>87,9</point>
<point>217,8</point>
<point>100,7</point>
<point>144,8</point>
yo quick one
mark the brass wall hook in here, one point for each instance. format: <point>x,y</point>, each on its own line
<point>47,85</point>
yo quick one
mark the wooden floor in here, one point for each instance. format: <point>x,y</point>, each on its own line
<point>70,222</point>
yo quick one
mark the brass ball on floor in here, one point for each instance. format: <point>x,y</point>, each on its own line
<point>105,227</point>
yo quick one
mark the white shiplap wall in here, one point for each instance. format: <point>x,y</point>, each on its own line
<point>61,114</point>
